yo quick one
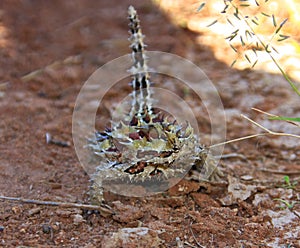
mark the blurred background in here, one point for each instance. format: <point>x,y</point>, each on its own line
<point>267,17</point>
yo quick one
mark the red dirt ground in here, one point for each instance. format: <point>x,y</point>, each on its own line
<point>48,50</point>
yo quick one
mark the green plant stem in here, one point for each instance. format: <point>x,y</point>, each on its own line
<point>285,76</point>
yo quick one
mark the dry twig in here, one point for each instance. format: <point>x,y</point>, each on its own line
<point>104,210</point>
<point>268,131</point>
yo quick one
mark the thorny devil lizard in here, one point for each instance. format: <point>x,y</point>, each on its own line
<point>145,147</point>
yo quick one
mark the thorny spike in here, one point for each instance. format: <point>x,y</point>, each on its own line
<point>145,146</point>
<point>141,105</point>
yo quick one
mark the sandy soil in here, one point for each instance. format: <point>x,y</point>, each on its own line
<point>48,50</point>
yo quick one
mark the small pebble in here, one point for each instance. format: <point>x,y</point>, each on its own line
<point>46,228</point>
<point>56,226</point>
<point>63,213</point>
<point>16,210</point>
<point>34,211</point>
<point>78,218</point>
<point>247,177</point>
<point>293,156</point>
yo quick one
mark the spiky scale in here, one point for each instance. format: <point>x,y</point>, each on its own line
<point>144,146</point>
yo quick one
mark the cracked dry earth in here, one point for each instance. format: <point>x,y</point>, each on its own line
<point>48,50</point>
